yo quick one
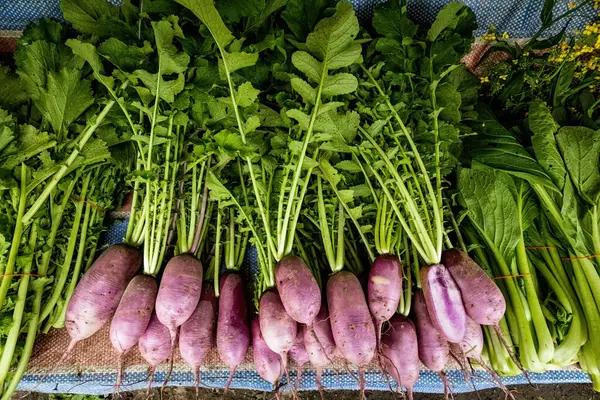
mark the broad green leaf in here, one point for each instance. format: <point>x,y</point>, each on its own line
<point>565,77</point>
<point>448,18</point>
<point>301,16</point>
<point>309,65</point>
<point>235,61</point>
<point>12,92</point>
<point>491,207</point>
<point>390,19</point>
<point>580,148</point>
<point>252,124</point>
<point>88,52</point>
<point>338,84</point>
<point>348,165</point>
<point>98,18</point>
<point>125,57</point>
<point>308,93</point>
<point>170,61</point>
<point>67,96</point>
<point>28,144</point>
<point>449,99</point>
<point>334,36</point>
<point>233,10</point>
<point>496,147</point>
<point>544,143</point>
<point>246,94</point>
<point>207,13</point>
<point>302,118</point>
<point>166,89</point>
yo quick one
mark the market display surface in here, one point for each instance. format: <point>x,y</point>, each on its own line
<point>309,194</point>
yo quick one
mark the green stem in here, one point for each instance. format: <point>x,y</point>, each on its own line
<point>10,343</point>
<point>431,255</point>
<point>217,257</point>
<point>60,322</point>
<point>544,337</point>
<point>16,240</point>
<point>66,265</point>
<point>89,131</point>
<point>435,257</point>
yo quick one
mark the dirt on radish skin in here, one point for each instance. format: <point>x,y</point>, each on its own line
<point>320,345</point>
<point>277,327</point>
<point>298,289</point>
<point>350,319</point>
<point>433,346</point>
<point>268,363</point>
<point>384,289</point>
<point>196,337</point>
<point>99,292</point>
<point>444,302</point>
<point>179,292</point>
<point>155,345</point>
<point>400,350</point>
<point>233,332</point>
<point>483,300</point>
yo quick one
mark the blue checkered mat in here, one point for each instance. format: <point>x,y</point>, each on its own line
<point>520,18</point>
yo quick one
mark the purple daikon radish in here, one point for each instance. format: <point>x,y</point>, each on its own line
<point>444,302</point>
<point>196,337</point>
<point>268,363</point>
<point>278,328</point>
<point>298,289</point>
<point>351,322</point>
<point>132,317</point>
<point>155,345</point>
<point>99,292</point>
<point>179,291</point>
<point>384,289</point>
<point>298,354</point>
<point>483,300</point>
<point>433,346</point>
<point>233,332</point>
<point>400,352</point>
<point>320,345</point>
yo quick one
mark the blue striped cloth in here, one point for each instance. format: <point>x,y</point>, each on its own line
<point>519,18</point>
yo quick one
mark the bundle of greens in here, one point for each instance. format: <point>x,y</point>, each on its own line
<point>59,181</point>
<point>560,176</point>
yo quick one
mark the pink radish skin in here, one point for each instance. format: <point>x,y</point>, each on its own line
<point>483,301</point>
<point>444,302</point>
<point>133,313</point>
<point>132,317</point>
<point>155,345</point>
<point>299,355</point>
<point>196,337</point>
<point>277,327</point>
<point>400,351</point>
<point>99,292</point>
<point>472,344</point>
<point>179,291</point>
<point>298,352</point>
<point>384,289</point>
<point>319,343</point>
<point>233,332</point>
<point>433,347</point>
<point>351,321</point>
<point>268,363</point>
<point>298,289</point>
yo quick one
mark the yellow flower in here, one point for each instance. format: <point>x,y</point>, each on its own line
<point>596,4</point>
<point>505,35</point>
<point>503,77</point>
<point>484,79</point>
<point>572,4</point>
<point>483,124</point>
<point>526,53</point>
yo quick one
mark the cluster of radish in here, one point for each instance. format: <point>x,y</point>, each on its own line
<point>457,298</point>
